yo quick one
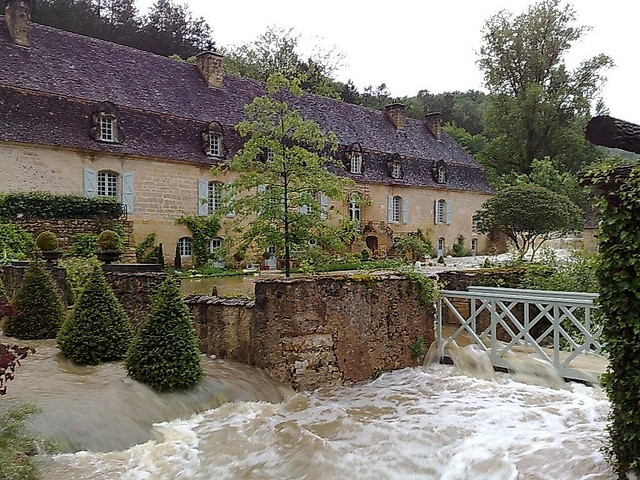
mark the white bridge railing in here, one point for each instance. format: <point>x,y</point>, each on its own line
<point>554,326</point>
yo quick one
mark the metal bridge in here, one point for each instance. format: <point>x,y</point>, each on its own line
<point>557,327</point>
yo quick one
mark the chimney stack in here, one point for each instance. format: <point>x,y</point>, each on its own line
<point>434,124</point>
<point>395,113</point>
<point>210,66</point>
<point>17,15</point>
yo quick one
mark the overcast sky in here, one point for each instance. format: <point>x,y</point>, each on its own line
<point>432,45</point>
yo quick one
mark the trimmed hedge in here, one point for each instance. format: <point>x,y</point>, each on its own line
<point>97,330</point>
<point>15,243</point>
<point>165,352</point>
<point>38,309</point>
<point>47,205</point>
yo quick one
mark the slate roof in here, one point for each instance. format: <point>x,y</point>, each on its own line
<point>49,90</point>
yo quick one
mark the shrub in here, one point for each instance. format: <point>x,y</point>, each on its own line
<point>48,205</point>
<point>97,330</point>
<point>79,270</point>
<point>16,444</point>
<point>415,245</point>
<point>38,310</point>
<point>365,254</point>
<point>47,241</point>
<point>164,353</point>
<point>109,240</point>
<point>458,249</point>
<point>84,245</point>
<point>15,243</point>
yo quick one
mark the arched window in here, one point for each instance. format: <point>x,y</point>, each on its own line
<point>354,207</point>
<point>105,124</point>
<point>107,184</point>
<point>356,162</point>
<point>442,174</point>
<point>441,246</point>
<point>214,196</point>
<point>439,171</point>
<point>474,245</point>
<point>184,246</point>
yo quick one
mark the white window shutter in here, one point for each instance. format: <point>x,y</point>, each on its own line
<point>324,206</point>
<point>389,209</point>
<point>448,218</point>
<point>405,210</point>
<point>435,212</point>
<point>127,190</point>
<point>203,197</point>
<point>90,182</point>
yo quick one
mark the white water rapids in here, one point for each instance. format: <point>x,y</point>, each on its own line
<point>419,423</point>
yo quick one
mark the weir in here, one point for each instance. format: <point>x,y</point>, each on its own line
<point>507,324</point>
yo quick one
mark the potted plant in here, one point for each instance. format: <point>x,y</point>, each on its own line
<point>109,246</point>
<point>48,244</point>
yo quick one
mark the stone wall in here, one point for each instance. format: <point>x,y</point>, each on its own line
<point>12,275</point>
<point>67,229</point>
<point>317,332</point>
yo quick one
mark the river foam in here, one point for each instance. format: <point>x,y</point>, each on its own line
<point>419,423</point>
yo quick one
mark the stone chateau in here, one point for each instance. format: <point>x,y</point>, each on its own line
<point>85,116</point>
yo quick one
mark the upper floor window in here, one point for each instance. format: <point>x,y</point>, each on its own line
<point>442,174</point>
<point>354,207</point>
<point>396,171</point>
<point>397,209</point>
<point>442,211</point>
<point>184,246</point>
<point>213,140</point>
<point>106,126</point>
<point>214,196</point>
<point>107,184</point>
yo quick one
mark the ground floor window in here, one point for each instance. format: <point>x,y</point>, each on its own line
<point>184,246</point>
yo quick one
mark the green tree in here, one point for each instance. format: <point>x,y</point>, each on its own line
<point>15,243</point>
<point>539,107</point>
<point>415,245</point>
<point>164,353</point>
<point>528,215</point>
<point>284,172</point>
<point>277,51</point>
<point>16,462</point>
<point>97,330</point>
<point>38,309</point>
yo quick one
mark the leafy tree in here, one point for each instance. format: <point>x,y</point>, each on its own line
<point>539,106</point>
<point>97,330</point>
<point>38,309</point>
<point>283,171</point>
<point>15,243</point>
<point>16,463</point>
<point>415,245</point>
<point>277,51</point>
<point>164,353</point>
<point>528,215</point>
<point>462,109</point>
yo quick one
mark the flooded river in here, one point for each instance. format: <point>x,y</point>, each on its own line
<point>419,423</point>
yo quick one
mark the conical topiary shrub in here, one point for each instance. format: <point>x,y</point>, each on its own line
<point>164,353</point>
<point>97,330</point>
<point>38,311</point>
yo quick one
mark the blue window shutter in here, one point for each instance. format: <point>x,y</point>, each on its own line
<point>90,182</point>
<point>448,206</point>
<point>435,212</point>
<point>203,197</point>
<point>127,190</point>
<point>389,209</point>
<point>405,210</point>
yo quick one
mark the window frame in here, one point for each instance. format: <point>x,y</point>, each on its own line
<point>107,184</point>
<point>215,191</point>
<point>396,211</point>
<point>355,211</point>
<point>356,163</point>
<point>107,128</point>
<point>185,246</point>
<point>441,211</point>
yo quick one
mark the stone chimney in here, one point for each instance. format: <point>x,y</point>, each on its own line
<point>434,124</point>
<point>395,113</point>
<point>210,66</point>
<point>17,15</point>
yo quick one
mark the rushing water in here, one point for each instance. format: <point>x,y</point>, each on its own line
<point>419,423</point>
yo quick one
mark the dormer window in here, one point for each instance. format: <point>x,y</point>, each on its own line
<point>439,171</point>
<point>213,140</point>
<point>395,166</point>
<point>356,162</point>
<point>106,127</point>
<point>354,159</point>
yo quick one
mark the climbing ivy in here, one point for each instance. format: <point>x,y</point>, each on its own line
<point>618,274</point>
<point>203,229</point>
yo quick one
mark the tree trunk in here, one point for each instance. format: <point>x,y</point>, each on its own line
<point>614,133</point>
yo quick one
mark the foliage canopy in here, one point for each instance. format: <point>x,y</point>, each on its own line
<point>528,215</point>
